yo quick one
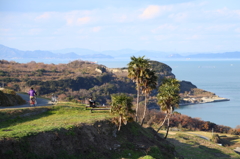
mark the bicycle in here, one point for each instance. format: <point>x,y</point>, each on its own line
<point>54,100</point>
<point>33,101</point>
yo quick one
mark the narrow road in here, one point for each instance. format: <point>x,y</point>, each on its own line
<point>203,137</point>
<point>40,102</point>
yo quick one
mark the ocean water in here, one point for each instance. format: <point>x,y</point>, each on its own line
<point>219,77</point>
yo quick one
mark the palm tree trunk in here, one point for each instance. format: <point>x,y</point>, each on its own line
<point>120,123</point>
<point>170,114</point>
<point>162,123</point>
<point>167,129</point>
<point>138,92</point>
<point>145,109</point>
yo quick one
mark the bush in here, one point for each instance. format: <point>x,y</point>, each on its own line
<point>9,91</point>
<point>216,138</point>
<point>122,106</point>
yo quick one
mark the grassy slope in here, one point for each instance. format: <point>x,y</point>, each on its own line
<point>191,146</point>
<point>67,115</point>
<point>55,118</point>
<point>44,127</point>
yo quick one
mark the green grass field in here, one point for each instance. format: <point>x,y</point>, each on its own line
<point>193,147</point>
<point>65,115</point>
<point>23,122</point>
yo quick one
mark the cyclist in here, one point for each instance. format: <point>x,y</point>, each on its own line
<point>32,94</point>
<point>54,98</point>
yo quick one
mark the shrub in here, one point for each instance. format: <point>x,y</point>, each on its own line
<point>122,106</point>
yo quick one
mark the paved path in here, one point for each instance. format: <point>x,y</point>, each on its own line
<point>40,102</point>
<point>203,137</point>
<point>237,149</point>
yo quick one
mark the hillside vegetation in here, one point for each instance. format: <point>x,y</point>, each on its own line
<point>70,131</point>
<point>192,146</point>
<point>79,80</point>
<point>76,80</point>
<point>9,97</point>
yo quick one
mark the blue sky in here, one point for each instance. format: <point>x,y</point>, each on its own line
<point>183,26</point>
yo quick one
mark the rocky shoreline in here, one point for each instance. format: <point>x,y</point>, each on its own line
<point>192,100</point>
<point>202,100</point>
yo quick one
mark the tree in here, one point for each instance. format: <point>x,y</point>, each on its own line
<point>149,83</point>
<point>122,106</point>
<point>136,69</point>
<point>168,98</point>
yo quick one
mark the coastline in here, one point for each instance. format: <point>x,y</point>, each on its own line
<point>193,101</point>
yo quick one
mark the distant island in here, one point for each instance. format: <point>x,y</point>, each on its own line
<point>226,55</point>
<point>77,53</point>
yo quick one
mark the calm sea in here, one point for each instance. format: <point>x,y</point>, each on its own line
<point>219,77</point>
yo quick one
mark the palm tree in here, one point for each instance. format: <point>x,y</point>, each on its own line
<point>136,69</point>
<point>149,84</point>
<point>168,98</point>
<point>122,106</point>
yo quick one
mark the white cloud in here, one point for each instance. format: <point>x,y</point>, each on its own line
<point>34,31</point>
<point>237,13</point>
<point>77,18</point>
<point>163,37</point>
<point>221,27</point>
<point>12,38</point>
<point>83,20</point>
<point>4,30</point>
<point>224,13</point>
<point>43,16</point>
<point>129,26</point>
<point>153,11</point>
<point>122,18</point>
<point>72,21</point>
<point>164,27</point>
<point>194,37</point>
<point>96,29</point>
<point>237,30</point>
<point>144,38</point>
<point>179,17</point>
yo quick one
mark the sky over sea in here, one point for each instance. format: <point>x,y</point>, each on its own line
<point>183,26</point>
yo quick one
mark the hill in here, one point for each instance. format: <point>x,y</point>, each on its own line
<point>190,145</point>
<point>79,80</point>
<point>70,131</point>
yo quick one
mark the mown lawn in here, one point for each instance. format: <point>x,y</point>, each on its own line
<point>65,115</point>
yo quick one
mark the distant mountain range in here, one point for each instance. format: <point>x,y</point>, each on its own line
<point>78,53</point>
<point>6,53</point>
<point>226,55</point>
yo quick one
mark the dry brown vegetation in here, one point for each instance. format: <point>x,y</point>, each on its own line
<point>74,81</point>
<point>44,72</point>
<point>184,122</point>
<point>79,80</point>
<point>9,98</point>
